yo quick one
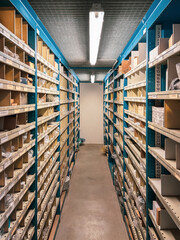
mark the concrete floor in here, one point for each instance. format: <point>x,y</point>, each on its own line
<point>91,210</point>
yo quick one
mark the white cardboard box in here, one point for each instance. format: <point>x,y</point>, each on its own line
<point>142,51</point>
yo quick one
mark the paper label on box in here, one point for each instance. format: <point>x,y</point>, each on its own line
<point>5,139</point>
<point>21,132</point>
<point>4,112</point>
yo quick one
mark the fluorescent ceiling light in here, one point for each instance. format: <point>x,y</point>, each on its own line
<point>92,78</point>
<point>96,19</point>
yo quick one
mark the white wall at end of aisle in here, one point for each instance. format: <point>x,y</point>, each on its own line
<point>91,114</point>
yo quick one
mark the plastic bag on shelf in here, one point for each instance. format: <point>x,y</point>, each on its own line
<point>175,84</point>
<point>55,75</point>
<point>131,129</point>
<point>8,51</point>
<point>1,232</point>
<point>47,154</point>
<point>30,154</point>
<point>141,204</point>
<point>41,82</point>
<point>23,80</point>
<point>178,70</point>
<point>25,137</point>
<point>4,153</point>
<point>16,56</point>
<point>46,139</point>
<point>23,183</point>
<point>136,224</point>
<point>9,200</point>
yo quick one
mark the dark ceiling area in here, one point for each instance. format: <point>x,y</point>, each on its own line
<point>68,23</point>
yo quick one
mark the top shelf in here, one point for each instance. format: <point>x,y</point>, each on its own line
<point>13,38</point>
<point>162,58</point>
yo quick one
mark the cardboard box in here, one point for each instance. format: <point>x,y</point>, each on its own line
<point>163,45</point>
<point>177,154</point>
<point>156,211</point>
<point>133,55</point>
<point>166,221</point>
<point>172,114</point>
<point>170,186</point>
<point>158,115</point>
<point>125,66</point>
<point>23,99</point>
<point>176,33</point>
<point>30,64</point>
<point>142,51</point>
<point>10,122</point>
<point>169,149</point>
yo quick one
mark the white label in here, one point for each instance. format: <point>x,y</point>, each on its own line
<point>4,112</point>
<point>21,132</point>
<point>4,139</point>
<point>38,32</point>
<point>144,31</point>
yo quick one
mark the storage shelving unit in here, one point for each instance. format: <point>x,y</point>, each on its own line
<point>146,179</point>
<point>39,114</point>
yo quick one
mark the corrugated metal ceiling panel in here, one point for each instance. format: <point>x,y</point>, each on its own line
<point>68,23</point>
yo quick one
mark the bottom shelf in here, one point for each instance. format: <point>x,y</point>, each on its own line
<point>63,196</point>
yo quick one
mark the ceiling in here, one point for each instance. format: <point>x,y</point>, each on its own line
<point>68,23</point>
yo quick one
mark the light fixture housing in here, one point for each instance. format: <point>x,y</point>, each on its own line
<point>92,78</point>
<point>96,19</point>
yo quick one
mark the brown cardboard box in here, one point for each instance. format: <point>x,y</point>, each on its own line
<point>125,66</point>
<point>156,211</point>
<point>10,122</point>
<point>177,153</point>
<point>30,64</point>
<point>172,114</point>
<point>7,18</point>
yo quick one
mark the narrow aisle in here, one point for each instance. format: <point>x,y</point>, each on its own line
<point>91,210</point>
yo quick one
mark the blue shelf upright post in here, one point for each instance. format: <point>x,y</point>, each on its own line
<point>150,135</point>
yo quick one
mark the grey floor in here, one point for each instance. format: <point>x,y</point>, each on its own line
<point>91,210</point>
